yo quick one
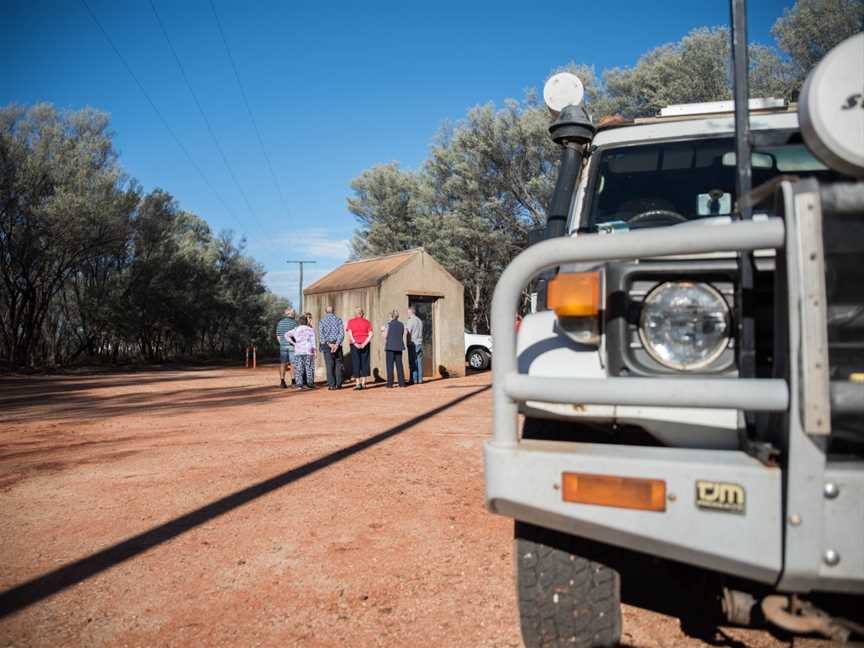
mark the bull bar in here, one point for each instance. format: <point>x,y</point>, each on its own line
<point>509,386</point>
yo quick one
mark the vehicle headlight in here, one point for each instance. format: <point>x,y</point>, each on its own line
<point>684,325</point>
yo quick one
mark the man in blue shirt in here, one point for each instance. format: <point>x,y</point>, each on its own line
<point>286,348</point>
<point>331,333</point>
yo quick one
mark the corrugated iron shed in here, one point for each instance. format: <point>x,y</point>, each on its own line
<point>360,274</point>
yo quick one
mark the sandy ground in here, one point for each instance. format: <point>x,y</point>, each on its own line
<point>209,507</point>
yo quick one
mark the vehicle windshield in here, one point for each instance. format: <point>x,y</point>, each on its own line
<point>650,185</point>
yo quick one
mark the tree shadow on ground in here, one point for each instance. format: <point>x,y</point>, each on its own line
<point>25,391</point>
<point>42,587</point>
<point>89,406</point>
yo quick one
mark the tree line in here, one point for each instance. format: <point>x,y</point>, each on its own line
<point>92,269</point>
<point>487,178</point>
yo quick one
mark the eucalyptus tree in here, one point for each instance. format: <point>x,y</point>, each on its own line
<point>489,177</point>
<point>92,270</point>
<point>64,202</point>
<point>386,203</point>
<point>694,69</point>
<point>809,29</point>
<point>470,205</point>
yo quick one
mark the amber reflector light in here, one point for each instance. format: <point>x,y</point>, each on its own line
<point>620,492</point>
<point>574,294</point>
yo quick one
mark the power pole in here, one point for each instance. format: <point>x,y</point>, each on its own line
<point>300,263</point>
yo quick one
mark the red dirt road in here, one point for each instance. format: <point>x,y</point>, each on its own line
<point>208,507</point>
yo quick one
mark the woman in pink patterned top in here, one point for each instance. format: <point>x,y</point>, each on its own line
<point>303,339</point>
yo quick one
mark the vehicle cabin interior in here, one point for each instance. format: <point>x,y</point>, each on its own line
<point>672,182</point>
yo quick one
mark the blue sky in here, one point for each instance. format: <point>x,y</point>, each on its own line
<point>334,87</point>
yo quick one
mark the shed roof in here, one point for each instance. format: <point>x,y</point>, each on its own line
<point>361,274</point>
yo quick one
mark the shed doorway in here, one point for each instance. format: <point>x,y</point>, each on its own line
<point>425,309</point>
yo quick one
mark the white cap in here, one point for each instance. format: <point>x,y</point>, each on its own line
<point>562,90</point>
<point>831,108</point>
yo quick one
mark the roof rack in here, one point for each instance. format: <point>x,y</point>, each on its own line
<point>680,110</point>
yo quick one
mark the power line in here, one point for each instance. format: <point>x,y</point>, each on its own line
<point>159,114</point>
<point>203,115</point>
<point>248,108</point>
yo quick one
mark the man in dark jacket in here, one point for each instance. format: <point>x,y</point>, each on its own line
<point>394,345</point>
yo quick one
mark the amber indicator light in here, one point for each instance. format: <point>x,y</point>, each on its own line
<point>620,492</point>
<point>574,294</point>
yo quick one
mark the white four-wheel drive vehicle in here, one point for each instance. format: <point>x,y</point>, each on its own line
<point>478,350</point>
<point>692,389</point>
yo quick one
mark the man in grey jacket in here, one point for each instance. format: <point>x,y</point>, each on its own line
<point>414,327</point>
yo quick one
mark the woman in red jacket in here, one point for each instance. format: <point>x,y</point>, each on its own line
<point>359,331</point>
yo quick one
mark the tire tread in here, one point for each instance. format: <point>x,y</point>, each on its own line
<point>586,613</point>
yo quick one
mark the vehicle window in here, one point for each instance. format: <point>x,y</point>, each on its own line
<point>666,183</point>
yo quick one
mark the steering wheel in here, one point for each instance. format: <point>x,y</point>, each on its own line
<point>654,217</point>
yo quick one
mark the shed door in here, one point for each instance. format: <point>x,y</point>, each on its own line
<point>425,309</point>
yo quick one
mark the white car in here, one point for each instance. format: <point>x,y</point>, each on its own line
<point>478,350</point>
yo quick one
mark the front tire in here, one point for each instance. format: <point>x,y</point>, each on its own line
<point>564,599</point>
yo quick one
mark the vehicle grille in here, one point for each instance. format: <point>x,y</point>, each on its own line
<point>843,238</point>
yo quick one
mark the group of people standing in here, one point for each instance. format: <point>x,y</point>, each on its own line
<point>297,347</point>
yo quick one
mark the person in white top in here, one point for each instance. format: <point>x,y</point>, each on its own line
<point>303,338</point>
